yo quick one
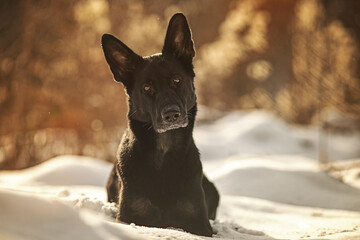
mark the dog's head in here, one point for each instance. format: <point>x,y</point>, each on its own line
<point>160,87</point>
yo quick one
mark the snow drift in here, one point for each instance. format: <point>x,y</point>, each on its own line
<point>271,187</point>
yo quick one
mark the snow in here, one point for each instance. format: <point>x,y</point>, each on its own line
<point>271,187</point>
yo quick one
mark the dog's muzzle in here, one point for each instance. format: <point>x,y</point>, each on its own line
<point>172,118</point>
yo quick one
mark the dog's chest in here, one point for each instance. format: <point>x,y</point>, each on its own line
<point>166,149</point>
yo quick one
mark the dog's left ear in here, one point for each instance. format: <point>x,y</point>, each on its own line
<point>178,41</point>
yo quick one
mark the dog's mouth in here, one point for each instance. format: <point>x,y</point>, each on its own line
<point>164,127</point>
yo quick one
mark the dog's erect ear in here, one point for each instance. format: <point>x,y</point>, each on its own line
<point>121,59</point>
<point>178,40</point>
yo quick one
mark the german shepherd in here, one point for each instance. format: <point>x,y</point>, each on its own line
<point>157,179</point>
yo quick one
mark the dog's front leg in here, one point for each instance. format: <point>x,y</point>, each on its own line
<point>113,186</point>
<point>138,209</point>
<point>211,197</point>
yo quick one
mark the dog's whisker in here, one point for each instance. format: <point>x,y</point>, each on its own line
<point>148,125</point>
<point>132,114</point>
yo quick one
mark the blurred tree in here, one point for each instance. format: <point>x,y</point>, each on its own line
<point>348,13</point>
<point>28,48</point>
<point>284,56</point>
<point>11,26</point>
<point>325,63</point>
<point>53,76</point>
<point>253,51</point>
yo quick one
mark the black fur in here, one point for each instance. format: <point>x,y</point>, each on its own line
<point>158,179</point>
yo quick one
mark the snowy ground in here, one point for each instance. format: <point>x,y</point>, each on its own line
<point>271,188</point>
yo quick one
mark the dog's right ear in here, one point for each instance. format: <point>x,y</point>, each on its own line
<point>178,40</point>
<point>121,59</point>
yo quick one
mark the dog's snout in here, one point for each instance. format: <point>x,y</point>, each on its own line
<point>171,113</point>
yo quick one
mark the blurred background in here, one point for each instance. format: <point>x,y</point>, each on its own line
<point>296,58</point>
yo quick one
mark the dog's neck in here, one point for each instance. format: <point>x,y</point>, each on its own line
<point>175,142</point>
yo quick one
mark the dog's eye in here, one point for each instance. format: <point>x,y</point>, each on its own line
<point>176,80</point>
<point>147,88</point>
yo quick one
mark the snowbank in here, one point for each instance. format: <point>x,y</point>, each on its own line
<point>271,188</point>
<point>262,133</point>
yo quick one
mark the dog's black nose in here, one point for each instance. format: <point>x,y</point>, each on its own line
<point>171,113</point>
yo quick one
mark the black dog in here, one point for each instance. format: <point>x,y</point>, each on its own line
<point>158,179</point>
